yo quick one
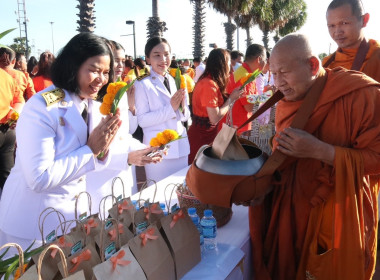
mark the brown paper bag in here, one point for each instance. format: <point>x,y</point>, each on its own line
<point>84,260</point>
<point>122,265</point>
<point>123,207</point>
<point>91,223</point>
<point>226,145</point>
<point>153,255</point>
<point>64,242</point>
<point>112,228</point>
<point>182,237</point>
<point>20,255</point>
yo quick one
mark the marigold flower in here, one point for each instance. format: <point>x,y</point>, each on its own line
<point>17,272</point>
<point>161,138</point>
<point>183,82</point>
<point>154,142</point>
<point>105,108</point>
<point>245,78</point>
<point>108,98</point>
<point>170,134</point>
<point>14,116</point>
<point>172,72</point>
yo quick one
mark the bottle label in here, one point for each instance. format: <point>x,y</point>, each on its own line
<point>109,250</point>
<point>141,227</point>
<point>209,232</point>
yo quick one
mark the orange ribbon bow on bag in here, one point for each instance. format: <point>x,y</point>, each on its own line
<point>113,232</point>
<point>152,209</point>
<point>148,235</point>
<point>117,260</point>
<point>176,217</point>
<point>61,244</point>
<point>84,256</point>
<point>90,224</point>
<point>124,206</point>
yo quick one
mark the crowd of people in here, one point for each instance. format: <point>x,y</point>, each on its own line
<point>319,222</point>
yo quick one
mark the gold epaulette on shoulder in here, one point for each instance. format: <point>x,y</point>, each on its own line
<point>53,96</point>
<point>147,74</point>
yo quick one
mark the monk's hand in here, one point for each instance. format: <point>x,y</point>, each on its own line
<point>102,136</point>
<point>301,144</point>
<point>144,156</point>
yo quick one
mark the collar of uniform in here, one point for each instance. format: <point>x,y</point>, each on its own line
<point>79,103</point>
<point>158,76</point>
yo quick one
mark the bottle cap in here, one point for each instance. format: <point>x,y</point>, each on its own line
<point>163,206</point>
<point>208,212</point>
<point>191,211</point>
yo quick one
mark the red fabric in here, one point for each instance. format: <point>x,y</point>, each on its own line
<point>41,82</point>
<point>200,135</point>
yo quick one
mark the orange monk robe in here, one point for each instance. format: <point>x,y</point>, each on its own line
<point>191,72</point>
<point>9,95</point>
<point>41,82</point>
<point>371,65</point>
<point>292,230</point>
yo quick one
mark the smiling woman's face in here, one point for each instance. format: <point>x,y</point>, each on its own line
<point>159,58</point>
<point>93,74</point>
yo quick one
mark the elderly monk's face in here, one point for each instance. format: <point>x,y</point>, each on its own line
<point>292,76</point>
<point>344,27</point>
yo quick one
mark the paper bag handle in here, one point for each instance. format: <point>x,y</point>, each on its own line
<point>20,255</point>
<point>63,259</point>
<point>76,203</point>
<point>114,183</point>
<point>41,224</point>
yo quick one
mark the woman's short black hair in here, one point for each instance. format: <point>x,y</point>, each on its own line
<point>152,42</point>
<point>64,70</point>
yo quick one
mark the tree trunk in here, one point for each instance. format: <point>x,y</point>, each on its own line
<point>229,28</point>
<point>266,37</point>
<point>249,38</point>
<point>154,8</point>
<point>198,28</point>
<point>86,22</point>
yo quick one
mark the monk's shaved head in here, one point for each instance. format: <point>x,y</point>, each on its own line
<point>356,6</point>
<point>294,67</point>
<point>294,45</point>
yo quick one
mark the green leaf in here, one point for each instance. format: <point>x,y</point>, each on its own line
<point>11,269</point>
<point>3,254</point>
<point>2,34</point>
<point>178,78</point>
<point>119,95</point>
<point>252,78</point>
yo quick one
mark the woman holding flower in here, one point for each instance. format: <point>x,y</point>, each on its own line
<point>60,135</point>
<point>210,102</point>
<point>160,106</point>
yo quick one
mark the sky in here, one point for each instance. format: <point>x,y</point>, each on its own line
<point>178,15</point>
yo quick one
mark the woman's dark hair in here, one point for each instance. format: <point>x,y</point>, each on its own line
<point>44,64</point>
<point>218,68</point>
<point>140,63</point>
<point>81,47</point>
<point>6,56</point>
<point>129,63</point>
<point>152,42</point>
<point>31,63</point>
<point>174,64</point>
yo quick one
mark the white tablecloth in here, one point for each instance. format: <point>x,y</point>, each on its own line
<point>235,232</point>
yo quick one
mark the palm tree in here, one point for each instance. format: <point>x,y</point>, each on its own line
<point>86,22</point>
<point>245,22</point>
<point>231,8</point>
<point>273,15</point>
<point>155,26</point>
<point>295,22</point>
<point>199,27</point>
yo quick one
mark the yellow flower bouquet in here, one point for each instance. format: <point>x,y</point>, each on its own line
<point>115,92</point>
<point>12,119</point>
<point>179,80</point>
<point>162,140</point>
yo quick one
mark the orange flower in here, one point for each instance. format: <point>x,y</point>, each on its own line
<point>154,142</point>
<point>105,108</point>
<point>170,134</point>
<point>17,272</point>
<point>14,116</point>
<point>161,138</point>
<point>183,82</point>
<point>108,98</point>
<point>245,78</point>
<point>172,72</point>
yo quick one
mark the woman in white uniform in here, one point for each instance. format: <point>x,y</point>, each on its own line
<point>56,148</point>
<point>99,183</point>
<point>158,108</point>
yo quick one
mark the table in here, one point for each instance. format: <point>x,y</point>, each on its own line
<point>235,234</point>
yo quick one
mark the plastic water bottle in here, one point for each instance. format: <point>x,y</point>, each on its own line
<point>195,218</point>
<point>208,224</point>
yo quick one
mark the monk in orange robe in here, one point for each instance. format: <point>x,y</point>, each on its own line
<point>346,21</point>
<point>320,221</point>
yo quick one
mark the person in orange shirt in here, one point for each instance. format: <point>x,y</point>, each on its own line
<point>42,79</point>
<point>209,101</point>
<point>26,86</point>
<point>190,71</point>
<point>346,21</point>
<point>10,96</point>
<point>255,58</point>
<point>320,220</point>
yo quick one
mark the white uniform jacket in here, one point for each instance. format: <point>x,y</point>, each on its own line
<point>155,114</point>
<point>51,162</point>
